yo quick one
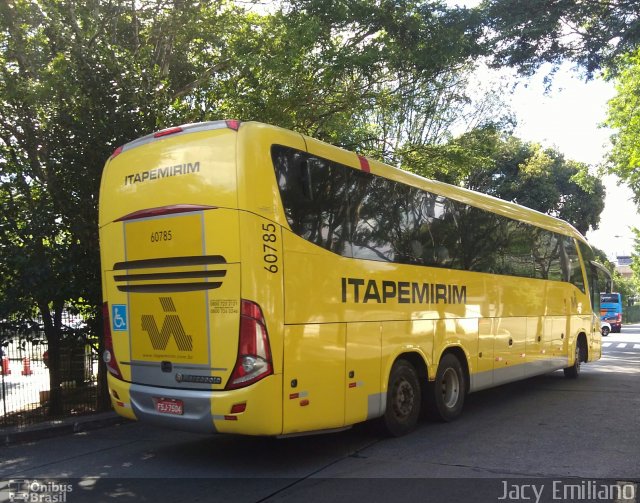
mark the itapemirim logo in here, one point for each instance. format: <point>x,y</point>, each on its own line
<point>171,326</point>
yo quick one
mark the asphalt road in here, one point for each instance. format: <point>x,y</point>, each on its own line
<point>584,432</point>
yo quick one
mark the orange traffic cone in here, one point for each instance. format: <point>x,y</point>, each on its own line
<point>5,366</point>
<point>26,367</point>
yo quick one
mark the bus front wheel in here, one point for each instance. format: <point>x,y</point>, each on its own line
<point>448,390</point>
<point>403,399</point>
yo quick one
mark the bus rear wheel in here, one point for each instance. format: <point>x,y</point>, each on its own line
<point>573,372</point>
<point>403,399</point>
<point>447,393</point>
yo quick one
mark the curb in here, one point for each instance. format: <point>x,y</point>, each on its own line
<point>17,435</point>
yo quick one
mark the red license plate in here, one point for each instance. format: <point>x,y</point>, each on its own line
<point>170,406</point>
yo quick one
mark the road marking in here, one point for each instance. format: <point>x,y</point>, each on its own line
<point>606,344</point>
<point>622,345</point>
<point>636,346</point>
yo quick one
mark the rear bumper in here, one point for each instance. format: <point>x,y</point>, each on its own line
<point>197,415</point>
<point>205,411</point>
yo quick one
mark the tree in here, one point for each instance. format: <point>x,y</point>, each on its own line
<point>593,34</point>
<point>598,36</point>
<point>372,76</point>
<point>507,167</point>
<point>635,258</point>
<point>75,80</point>
<point>79,78</point>
<point>47,126</point>
<point>624,117</point>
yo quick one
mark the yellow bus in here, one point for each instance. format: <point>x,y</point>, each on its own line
<point>258,281</point>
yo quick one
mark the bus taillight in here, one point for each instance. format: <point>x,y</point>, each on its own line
<point>254,355</point>
<point>108,355</point>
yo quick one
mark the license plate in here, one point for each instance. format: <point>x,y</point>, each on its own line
<point>170,406</point>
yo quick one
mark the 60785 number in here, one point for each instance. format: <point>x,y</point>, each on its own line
<point>159,236</point>
<point>269,250</point>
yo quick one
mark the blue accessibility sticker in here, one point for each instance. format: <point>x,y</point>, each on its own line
<point>119,317</point>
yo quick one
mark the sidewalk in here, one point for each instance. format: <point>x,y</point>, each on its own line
<point>48,429</point>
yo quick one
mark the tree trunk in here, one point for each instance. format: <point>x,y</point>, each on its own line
<point>52,320</point>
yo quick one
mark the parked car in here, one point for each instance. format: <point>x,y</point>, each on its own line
<point>605,328</point>
<point>614,321</point>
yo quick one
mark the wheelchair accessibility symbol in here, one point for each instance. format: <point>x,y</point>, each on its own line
<point>119,317</point>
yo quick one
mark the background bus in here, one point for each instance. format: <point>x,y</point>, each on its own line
<point>261,282</point>
<point>611,310</point>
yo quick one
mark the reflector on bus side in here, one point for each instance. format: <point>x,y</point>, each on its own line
<point>233,124</point>
<point>117,152</point>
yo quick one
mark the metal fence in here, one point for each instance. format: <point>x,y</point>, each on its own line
<point>24,379</point>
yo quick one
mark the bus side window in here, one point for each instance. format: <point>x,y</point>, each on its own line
<point>374,214</point>
<point>306,184</point>
<point>595,283</point>
<point>546,255</point>
<point>314,198</point>
<point>565,266</point>
<point>573,263</point>
<point>593,276</point>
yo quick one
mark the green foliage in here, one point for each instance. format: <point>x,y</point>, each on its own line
<point>504,166</point>
<point>80,78</point>
<point>635,257</point>
<point>593,34</point>
<point>624,117</point>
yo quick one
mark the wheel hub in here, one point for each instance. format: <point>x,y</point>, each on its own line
<point>404,399</point>
<point>450,388</point>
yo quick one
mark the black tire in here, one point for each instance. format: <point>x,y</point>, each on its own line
<point>403,399</point>
<point>573,372</point>
<point>448,391</point>
<point>605,331</point>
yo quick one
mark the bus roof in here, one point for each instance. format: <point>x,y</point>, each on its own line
<point>351,159</point>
